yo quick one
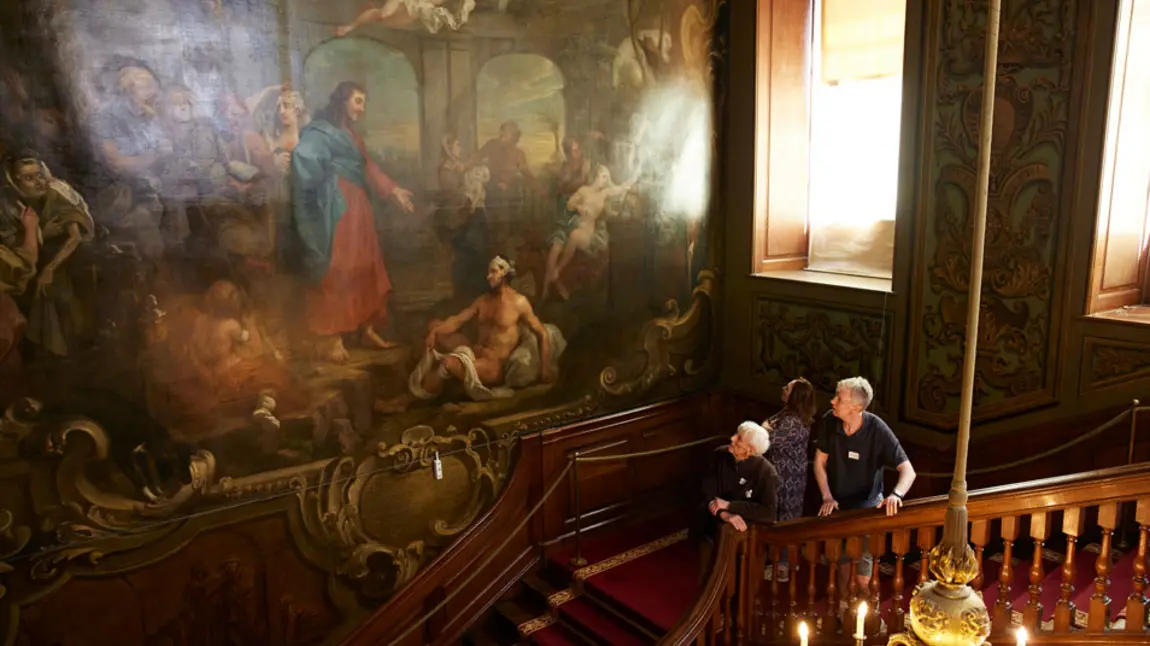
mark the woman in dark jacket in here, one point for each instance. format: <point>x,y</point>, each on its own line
<point>790,438</point>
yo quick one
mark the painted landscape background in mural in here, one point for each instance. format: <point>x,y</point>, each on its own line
<point>247,243</point>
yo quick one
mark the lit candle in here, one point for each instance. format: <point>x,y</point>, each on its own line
<point>1021,634</point>
<point>859,630</point>
<point>803,633</point>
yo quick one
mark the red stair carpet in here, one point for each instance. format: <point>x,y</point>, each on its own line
<point>636,585</point>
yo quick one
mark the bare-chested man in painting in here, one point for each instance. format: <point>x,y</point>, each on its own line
<point>500,360</point>
<point>331,173</point>
<point>400,13</point>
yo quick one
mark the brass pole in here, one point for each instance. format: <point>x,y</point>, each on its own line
<point>1133,430</point>
<point>577,560</point>
<point>955,532</point>
<point>953,564</point>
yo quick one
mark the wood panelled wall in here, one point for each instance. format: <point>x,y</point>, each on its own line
<point>1041,358</point>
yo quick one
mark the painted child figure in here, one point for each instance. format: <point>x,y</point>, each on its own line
<point>400,13</point>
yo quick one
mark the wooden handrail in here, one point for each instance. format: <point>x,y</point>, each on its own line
<point>1051,494</point>
<point>739,557</point>
<point>726,560</point>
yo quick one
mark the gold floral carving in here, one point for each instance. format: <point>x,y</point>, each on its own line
<point>671,345</point>
<point>823,344</point>
<point>1028,153</point>
<point>953,568</point>
<point>930,619</point>
<point>1113,362</point>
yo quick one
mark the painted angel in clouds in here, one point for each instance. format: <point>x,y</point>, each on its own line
<point>434,14</point>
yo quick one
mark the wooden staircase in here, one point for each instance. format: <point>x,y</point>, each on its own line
<point>610,601</point>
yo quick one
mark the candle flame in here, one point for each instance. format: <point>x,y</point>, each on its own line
<point>803,631</point>
<point>1021,635</point>
<point>862,609</point>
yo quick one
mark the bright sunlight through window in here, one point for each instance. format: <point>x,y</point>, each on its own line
<point>1124,205</point>
<point>856,109</point>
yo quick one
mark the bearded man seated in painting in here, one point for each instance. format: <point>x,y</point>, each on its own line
<point>501,360</point>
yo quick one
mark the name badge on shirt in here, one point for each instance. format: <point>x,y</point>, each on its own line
<point>742,481</point>
<point>750,492</point>
<point>853,455</point>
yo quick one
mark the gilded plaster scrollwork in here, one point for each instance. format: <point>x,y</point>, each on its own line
<point>384,516</point>
<point>1030,143</point>
<point>369,521</point>
<point>669,342</point>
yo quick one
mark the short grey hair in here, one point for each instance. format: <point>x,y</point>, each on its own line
<point>859,388</point>
<point>756,436</point>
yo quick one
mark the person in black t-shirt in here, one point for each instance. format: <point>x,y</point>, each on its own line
<point>852,448</point>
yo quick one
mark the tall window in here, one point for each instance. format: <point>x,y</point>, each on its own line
<point>1121,257</point>
<point>829,120</point>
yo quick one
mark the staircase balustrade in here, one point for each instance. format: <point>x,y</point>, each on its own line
<point>1034,519</point>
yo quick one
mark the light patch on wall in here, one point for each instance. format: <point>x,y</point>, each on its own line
<point>673,130</point>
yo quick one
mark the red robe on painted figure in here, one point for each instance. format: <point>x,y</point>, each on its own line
<point>350,283</point>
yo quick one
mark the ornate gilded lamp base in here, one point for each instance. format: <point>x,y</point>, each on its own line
<point>947,612</point>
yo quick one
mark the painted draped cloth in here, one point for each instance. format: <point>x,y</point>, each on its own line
<point>333,218</point>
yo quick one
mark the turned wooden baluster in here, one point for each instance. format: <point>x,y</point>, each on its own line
<point>812,552</point>
<point>926,541</point>
<point>776,624</point>
<point>877,551</point>
<point>900,545</point>
<point>980,536</point>
<point>854,551</point>
<point>1039,531</point>
<point>1099,617</point>
<point>1136,604</point>
<point>1072,526</point>
<point>1002,605</point>
<point>833,550</point>
<point>794,557</point>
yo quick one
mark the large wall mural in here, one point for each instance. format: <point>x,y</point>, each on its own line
<point>283,262</point>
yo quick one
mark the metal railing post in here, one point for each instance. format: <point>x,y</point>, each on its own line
<point>1133,430</point>
<point>577,560</point>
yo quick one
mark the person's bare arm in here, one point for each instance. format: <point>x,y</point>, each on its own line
<point>61,256</point>
<point>820,467</point>
<point>540,331</point>
<point>452,324</point>
<point>906,476</point>
<point>575,202</point>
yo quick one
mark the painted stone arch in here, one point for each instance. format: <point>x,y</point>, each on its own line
<point>528,90</point>
<point>391,125</point>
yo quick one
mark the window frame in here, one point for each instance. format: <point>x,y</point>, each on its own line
<point>1103,300</point>
<point>780,236</point>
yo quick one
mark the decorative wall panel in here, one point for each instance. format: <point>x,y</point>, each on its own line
<point>822,343</point>
<point>1031,145</point>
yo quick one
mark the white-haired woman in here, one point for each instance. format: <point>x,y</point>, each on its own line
<point>739,486</point>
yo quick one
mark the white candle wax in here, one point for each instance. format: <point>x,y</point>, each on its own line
<point>1021,635</point>
<point>861,619</point>
<point>803,633</point>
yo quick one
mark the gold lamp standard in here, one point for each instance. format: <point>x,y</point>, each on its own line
<point>947,611</point>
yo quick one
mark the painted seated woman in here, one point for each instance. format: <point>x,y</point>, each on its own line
<point>585,228</point>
